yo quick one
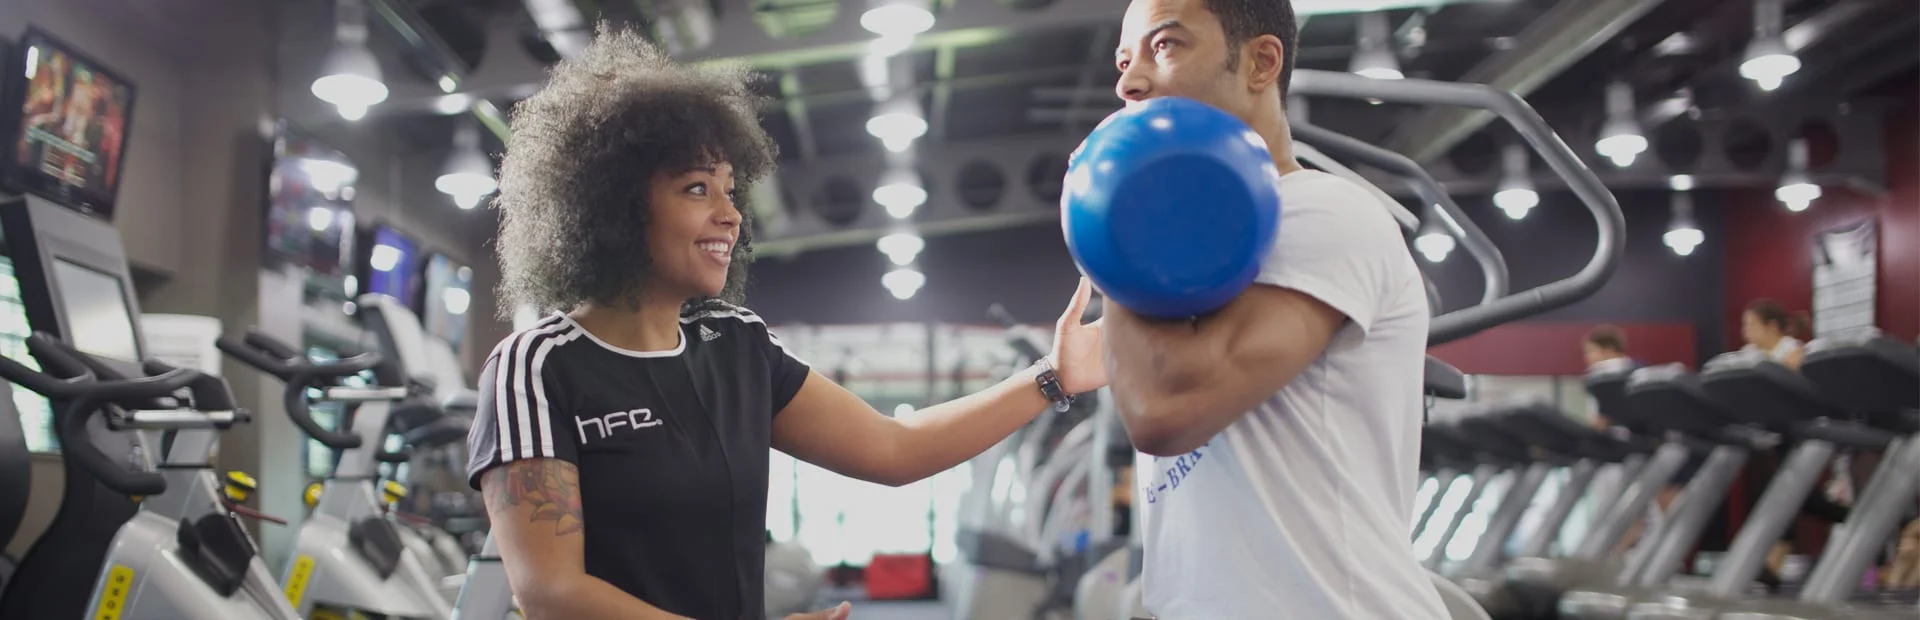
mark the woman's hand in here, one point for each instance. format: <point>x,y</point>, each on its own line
<point>1079,350</point>
<point>839,612</point>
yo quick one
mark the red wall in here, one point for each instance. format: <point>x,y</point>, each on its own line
<point>1553,347</point>
<point>1769,250</point>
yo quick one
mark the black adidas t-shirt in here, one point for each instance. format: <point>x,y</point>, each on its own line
<point>671,447</point>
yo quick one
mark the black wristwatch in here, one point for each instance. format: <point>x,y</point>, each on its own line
<point>1049,382</point>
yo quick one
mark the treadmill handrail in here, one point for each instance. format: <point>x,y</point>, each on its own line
<point>1610,222</point>
<point>1493,266</point>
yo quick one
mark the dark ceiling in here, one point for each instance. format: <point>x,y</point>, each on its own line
<point>1047,80</point>
<point>1054,77</point>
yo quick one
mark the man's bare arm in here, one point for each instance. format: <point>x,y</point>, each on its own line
<point>534,505</point>
<point>1177,384</point>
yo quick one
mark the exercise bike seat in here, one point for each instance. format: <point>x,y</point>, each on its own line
<point>376,539</point>
<point>218,550</point>
<point>441,432</point>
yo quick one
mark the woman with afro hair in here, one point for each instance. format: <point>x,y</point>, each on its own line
<point>621,443</point>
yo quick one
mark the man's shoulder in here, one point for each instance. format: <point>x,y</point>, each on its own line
<point>1312,192</point>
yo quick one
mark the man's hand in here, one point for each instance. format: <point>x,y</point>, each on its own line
<point>1079,350</point>
<point>839,612</point>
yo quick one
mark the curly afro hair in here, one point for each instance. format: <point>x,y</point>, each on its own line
<point>576,179</point>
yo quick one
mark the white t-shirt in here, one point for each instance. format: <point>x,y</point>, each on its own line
<point>1785,347</point>
<point>1303,507</point>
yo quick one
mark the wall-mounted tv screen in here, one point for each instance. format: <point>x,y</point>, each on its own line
<point>392,266</point>
<point>309,222</point>
<point>72,125</point>
<point>449,294</point>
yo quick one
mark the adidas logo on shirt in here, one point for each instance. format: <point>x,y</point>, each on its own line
<point>707,334</point>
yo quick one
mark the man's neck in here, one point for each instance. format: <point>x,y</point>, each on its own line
<point>1270,121</point>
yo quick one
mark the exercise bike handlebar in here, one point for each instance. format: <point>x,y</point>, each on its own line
<point>1610,223</point>
<point>273,357</point>
<point>89,395</point>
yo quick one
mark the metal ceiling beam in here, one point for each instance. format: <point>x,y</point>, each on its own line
<point>1565,34</point>
<point>1099,54</point>
<point>797,114</point>
<point>943,63</point>
<point>414,32</point>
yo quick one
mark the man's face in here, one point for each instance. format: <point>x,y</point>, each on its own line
<point>1178,48</point>
<point>1596,353</point>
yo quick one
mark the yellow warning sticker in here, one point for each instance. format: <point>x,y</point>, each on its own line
<point>113,593</point>
<point>297,578</point>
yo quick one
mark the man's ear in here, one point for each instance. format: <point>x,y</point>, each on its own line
<point>1265,58</point>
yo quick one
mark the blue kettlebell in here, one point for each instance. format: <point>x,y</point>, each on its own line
<point>1170,206</point>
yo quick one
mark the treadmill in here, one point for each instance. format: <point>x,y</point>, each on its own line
<point>1450,441</point>
<point>1563,442</point>
<point>1765,394</point>
<point>1532,585</point>
<point>1878,379</point>
<point>1678,397</point>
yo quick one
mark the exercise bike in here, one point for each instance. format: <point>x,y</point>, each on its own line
<point>350,555</point>
<point>183,554</point>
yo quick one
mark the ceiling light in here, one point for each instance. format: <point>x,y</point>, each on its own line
<point>1373,54</point>
<point>1681,182</point>
<point>1797,190</point>
<point>468,174</point>
<point>1621,139</point>
<point>897,122</point>
<point>1768,59</point>
<point>900,192</point>
<point>902,247</point>
<point>1434,243</point>
<point>903,282</point>
<point>897,18</point>
<point>1516,195</point>
<point>350,74</point>
<point>1683,235</point>
<point>888,46</point>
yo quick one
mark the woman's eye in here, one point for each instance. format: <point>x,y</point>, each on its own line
<point>697,189</point>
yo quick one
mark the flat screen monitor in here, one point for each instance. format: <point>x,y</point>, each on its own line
<point>96,307</point>
<point>392,266</point>
<point>449,294</point>
<point>71,128</point>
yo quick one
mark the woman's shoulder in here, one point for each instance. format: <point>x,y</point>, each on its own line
<point>714,310</point>
<point>546,335</point>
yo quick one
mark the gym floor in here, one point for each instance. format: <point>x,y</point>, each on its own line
<point>884,610</point>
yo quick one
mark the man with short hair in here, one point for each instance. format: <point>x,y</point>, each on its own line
<point>1280,435</point>
<point>1605,348</point>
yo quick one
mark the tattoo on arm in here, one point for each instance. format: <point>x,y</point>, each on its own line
<point>550,487</point>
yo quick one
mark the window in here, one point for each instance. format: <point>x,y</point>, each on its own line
<point>36,414</point>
